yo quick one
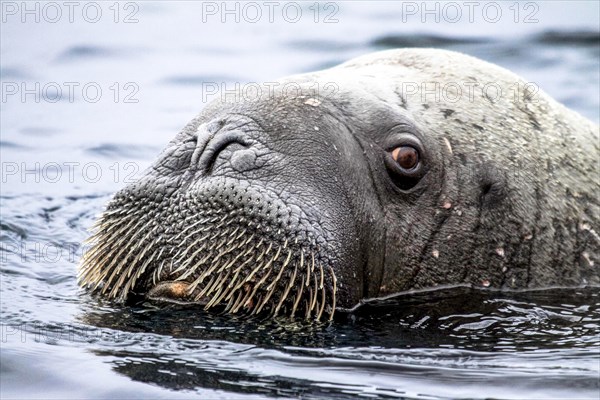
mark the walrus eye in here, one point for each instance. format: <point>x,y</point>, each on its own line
<point>405,161</point>
<point>407,157</point>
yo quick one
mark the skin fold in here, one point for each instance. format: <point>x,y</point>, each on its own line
<point>293,202</point>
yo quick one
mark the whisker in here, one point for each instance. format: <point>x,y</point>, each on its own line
<point>287,290</point>
<point>223,256</point>
<point>201,221</point>
<point>321,268</point>
<point>256,287</point>
<point>219,283</point>
<point>220,295</point>
<point>298,297</point>
<point>206,288</point>
<point>334,292</point>
<point>237,302</point>
<point>313,299</point>
<point>322,303</point>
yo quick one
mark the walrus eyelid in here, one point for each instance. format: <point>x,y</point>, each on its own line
<point>404,161</point>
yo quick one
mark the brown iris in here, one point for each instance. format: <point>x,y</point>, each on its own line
<point>407,157</point>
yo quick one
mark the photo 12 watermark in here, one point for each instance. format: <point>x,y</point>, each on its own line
<point>72,172</point>
<point>423,92</point>
<point>53,12</point>
<point>53,92</point>
<point>28,251</point>
<point>470,91</point>
<point>253,12</point>
<point>454,12</point>
<point>36,332</point>
<point>238,92</point>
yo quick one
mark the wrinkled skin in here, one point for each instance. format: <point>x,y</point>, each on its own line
<point>505,194</point>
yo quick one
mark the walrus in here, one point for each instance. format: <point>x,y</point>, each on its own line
<point>399,170</point>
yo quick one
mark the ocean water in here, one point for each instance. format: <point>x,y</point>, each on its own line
<point>91,92</point>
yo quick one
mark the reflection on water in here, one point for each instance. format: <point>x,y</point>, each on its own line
<point>450,343</point>
<point>459,318</point>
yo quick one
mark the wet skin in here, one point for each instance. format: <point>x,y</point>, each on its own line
<point>299,202</point>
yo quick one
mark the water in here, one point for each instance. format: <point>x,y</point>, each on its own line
<point>58,342</point>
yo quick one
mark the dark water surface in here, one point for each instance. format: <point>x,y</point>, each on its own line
<point>63,157</point>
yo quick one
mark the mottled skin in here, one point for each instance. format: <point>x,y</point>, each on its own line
<point>506,197</point>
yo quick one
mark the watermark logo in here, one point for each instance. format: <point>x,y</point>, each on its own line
<point>470,11</point>
<point>53,333</point>
<point>69,11</point>
<point>41,252</point>
<point>269,11</point>
<point>252,91</point>
<point>52,92</point>
<point>470,91</point>
<point>68,171</point>
<point>426,92</point>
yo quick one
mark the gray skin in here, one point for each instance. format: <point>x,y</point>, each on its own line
<point>505,194</point>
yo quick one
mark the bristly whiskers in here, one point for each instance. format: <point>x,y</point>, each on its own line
<point>216,256</point>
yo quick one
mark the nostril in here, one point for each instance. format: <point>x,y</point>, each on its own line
<point>220,143</point>
<point>244,160</point>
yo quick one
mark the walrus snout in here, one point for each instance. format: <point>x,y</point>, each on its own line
<point>226,235</point>
<point>231,246</point>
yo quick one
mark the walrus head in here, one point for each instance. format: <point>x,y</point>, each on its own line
<point>339,187</point>
<point>259,205</point>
